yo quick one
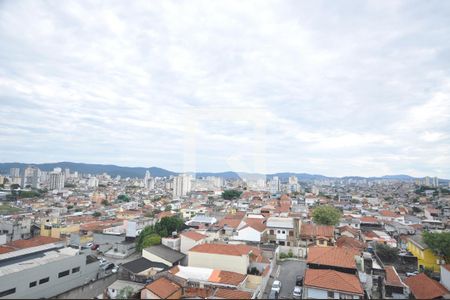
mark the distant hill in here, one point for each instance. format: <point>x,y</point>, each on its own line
<point>112,170</point>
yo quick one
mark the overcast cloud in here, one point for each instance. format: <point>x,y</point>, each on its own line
<point>334,88</point>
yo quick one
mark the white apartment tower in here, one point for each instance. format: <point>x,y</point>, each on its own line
<point>93,182</point>
<point>181,185</point>
<point>56,180</point>
<point>274,185</point>
<point>31,177</point>
<point>15,175</point>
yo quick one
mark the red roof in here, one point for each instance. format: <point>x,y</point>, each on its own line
<point>312,230</point>
<point>232,294</point>
<point>349,242</point>
<point>257,224</point>
<point>369,220</point>
<point>33,242</point>
<point>163,287</point>
<point>226,277</point>
<point>392,277</point>
<point>423,287</point>
<point>332,256</point>
<point>388,213</point>
<point>332,280</point>
<point>193,235</point>
<point>233,223</point>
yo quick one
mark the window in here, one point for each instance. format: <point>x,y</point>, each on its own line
<point>44,280</point>
<point>7,292</point>
<point>33,284</point>
<point>291,233</point>
<point>74,270</point>
<point>278,231</point>
<point>330,294</point>
<point>283,232</point>
<point>271,231</point>
<point>64,273</point>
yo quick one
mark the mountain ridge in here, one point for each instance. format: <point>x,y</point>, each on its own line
<point>115,170</point>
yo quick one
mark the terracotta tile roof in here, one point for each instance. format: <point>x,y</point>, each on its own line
<point>192,292</point>
<point>423,287</point>
<point>163,287</point>
<point>349,242</point>
<point>332,256</point>
<point>226,249</point>
<point>193,235</point>
<point>350,229</point>
<point>388,213</point>
<point>233,223</point>
<point>313,230</point>
<point>33,242</point>
<point>257,224</point>
<point>392,277</point>
<point>6,249</point>
<point>333,281</point>
<point>237,215</point>
<point>232,294</point>
<point>226,277</point>
<point>369,220</point>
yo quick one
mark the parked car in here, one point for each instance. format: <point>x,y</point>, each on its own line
<point>409,274</point>
<point>276,286</point>
<point>299,280</point>
<point>89,245</point>
<point>297,294</point>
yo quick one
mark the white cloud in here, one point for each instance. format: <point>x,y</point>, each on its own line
<point>295,86</point>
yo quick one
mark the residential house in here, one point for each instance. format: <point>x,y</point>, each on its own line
<point>227,257</point>
<point>336,258</point>
<point>426,258</point>
<point>320,235</point>
<point>140,269</point>
<point>282,231</point>
<point>251,230</point>
<point>163,254</point>
<point>394,287</point>
<point>162,288</point>
<point>423,287</point>
<point>326,284</point>
<point>190,239</point>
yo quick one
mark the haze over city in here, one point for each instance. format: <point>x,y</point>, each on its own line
<point>354,88</point>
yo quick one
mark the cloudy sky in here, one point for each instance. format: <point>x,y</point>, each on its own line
<point>335,88</point>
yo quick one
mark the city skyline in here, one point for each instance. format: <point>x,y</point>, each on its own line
<point>322,88</point>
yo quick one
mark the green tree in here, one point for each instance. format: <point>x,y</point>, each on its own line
<point>326,215</point>
<point>151,240</point>
<point>231,194</point>
<point>96,214</point>
<point>105,202</point>
<point>125,293</point>
<point>439,243</point>
<point>386,253</point>
<point>123,198</point>
<point>168,207</point>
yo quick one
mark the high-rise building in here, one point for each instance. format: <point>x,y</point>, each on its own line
<point>15,176</point>
<point>435,182</point>
<point>149,182</point>
<point>31,177</point>
<point>427,181</point>
<point>181,185</point>
<point>93,182</point>
<point>293,180</point>
<point>274,185</point>
<point>56,181</point>
<point>67,173</point>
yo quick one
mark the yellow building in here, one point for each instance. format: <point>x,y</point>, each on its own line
<point>52,228</point>
<point>425,256</point>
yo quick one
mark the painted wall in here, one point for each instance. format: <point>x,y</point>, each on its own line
<point>238,264</point>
